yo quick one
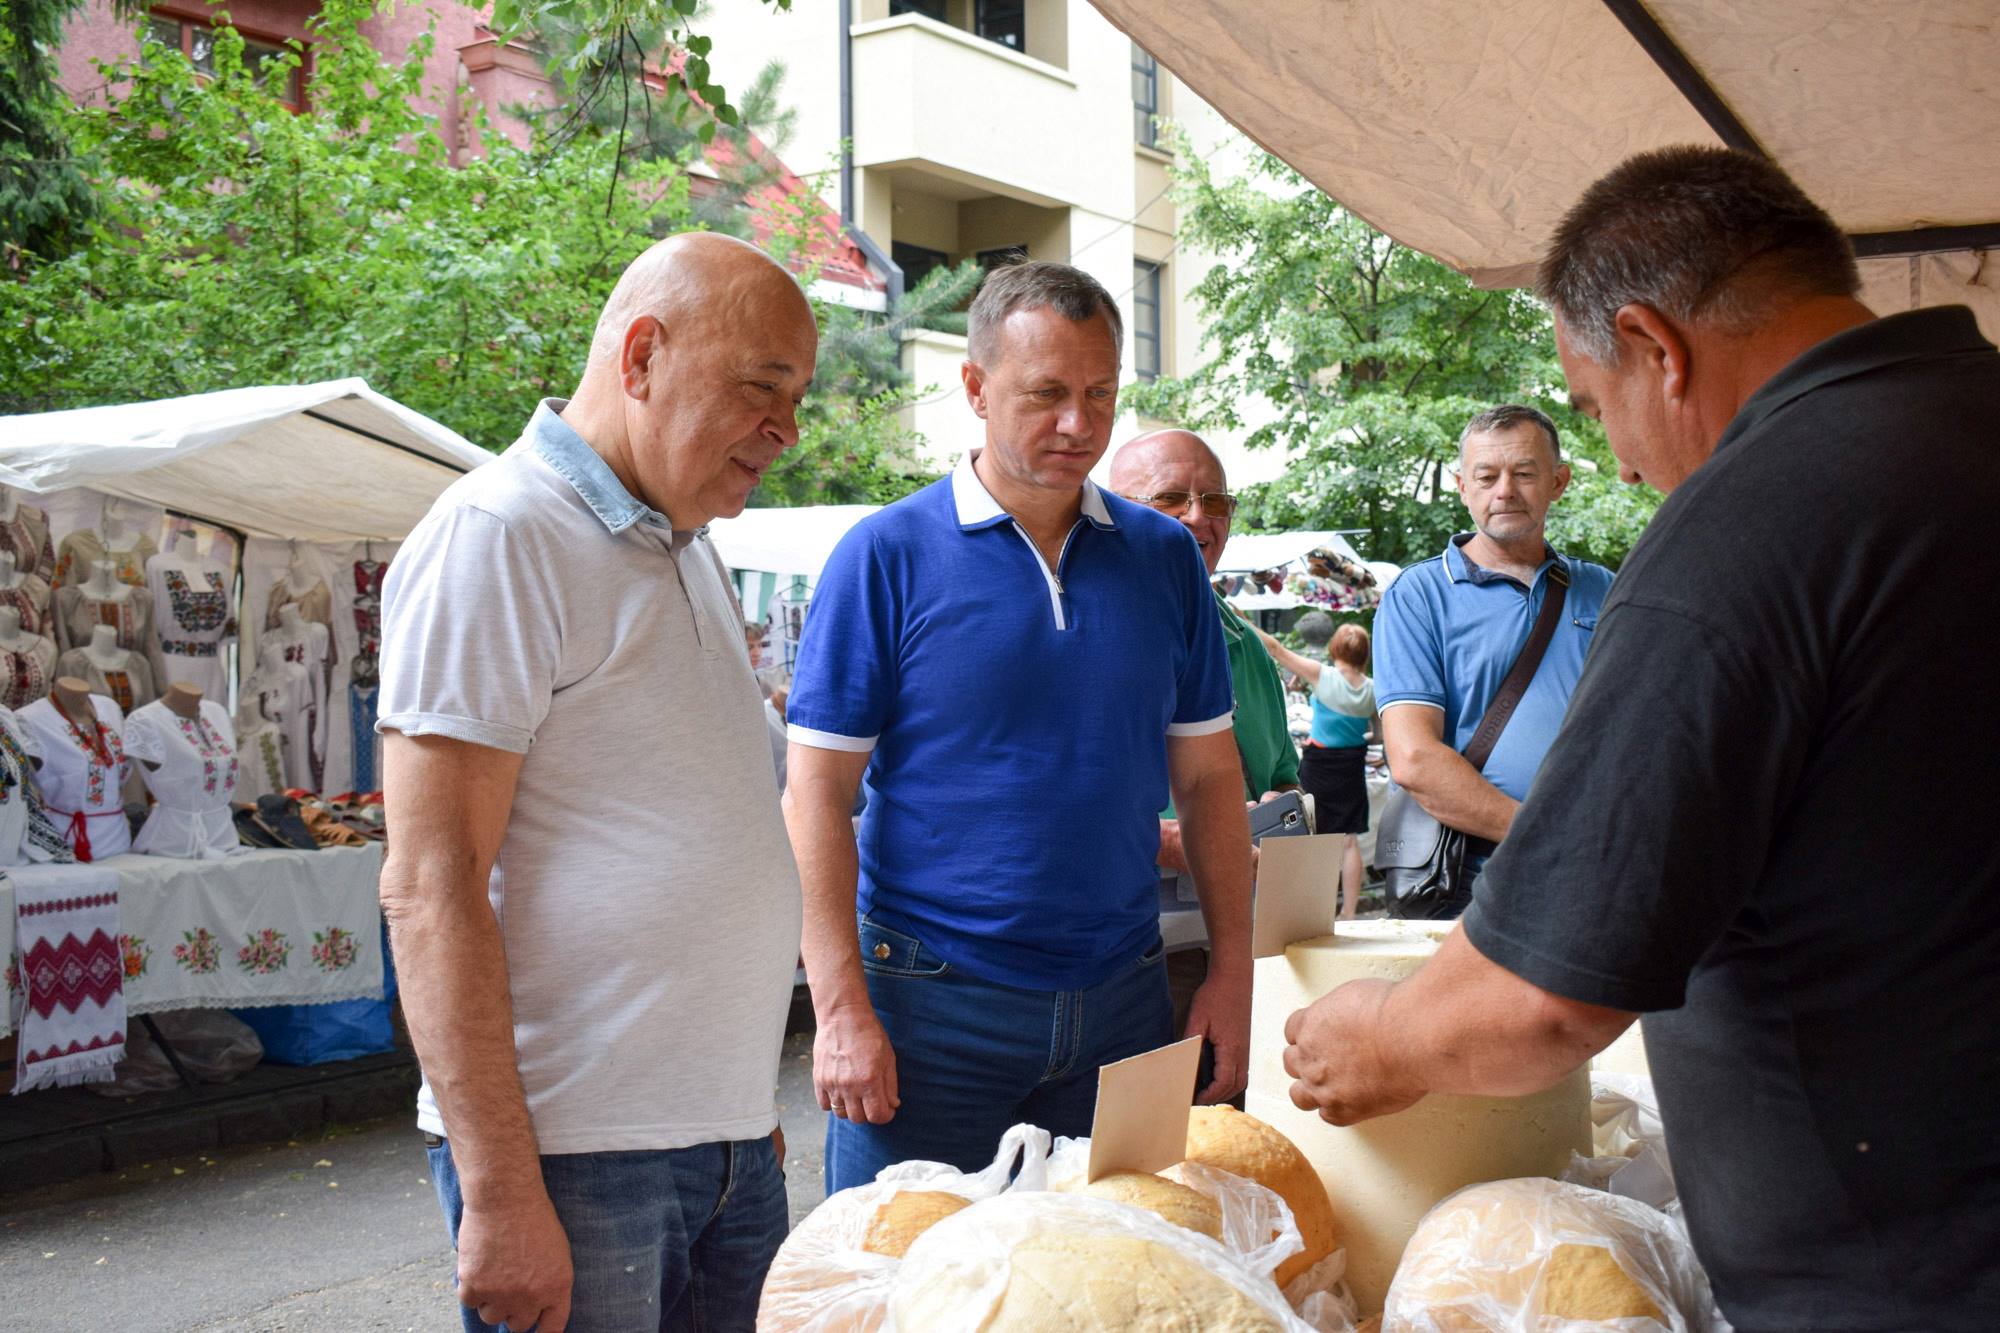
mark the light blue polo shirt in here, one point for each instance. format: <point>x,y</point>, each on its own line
<point>1447,633</point>
<point>1018,718</point>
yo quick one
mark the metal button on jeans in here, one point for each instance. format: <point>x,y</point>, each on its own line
<point>882,950</point>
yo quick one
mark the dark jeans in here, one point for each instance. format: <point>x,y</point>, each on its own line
<point>671,1240</point>
<point>974,1058</point>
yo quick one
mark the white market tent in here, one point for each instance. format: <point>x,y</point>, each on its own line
<point>1249,552</point>
<point>1466,130</point>
<point>328,462</point>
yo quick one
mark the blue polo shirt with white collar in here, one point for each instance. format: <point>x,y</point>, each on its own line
<point>1018,718</point>
<point>1448,632</point>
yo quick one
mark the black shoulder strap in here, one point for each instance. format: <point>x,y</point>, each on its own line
<point>1522,672</point>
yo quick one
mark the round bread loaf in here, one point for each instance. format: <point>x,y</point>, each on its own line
<point>906,1216</point>
<point>1169,1199</point>
<point>1513,1253</point>
<point>1228,1140</point>
<point>1055,1262</point>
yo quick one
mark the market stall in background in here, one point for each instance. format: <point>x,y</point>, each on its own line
<point>210,570</point>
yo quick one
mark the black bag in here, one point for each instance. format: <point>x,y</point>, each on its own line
<point>274,822</point>
<point>1422,862</point>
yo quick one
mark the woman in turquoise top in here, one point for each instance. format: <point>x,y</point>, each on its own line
<point>1333,769</point>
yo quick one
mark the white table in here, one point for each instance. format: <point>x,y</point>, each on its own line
<point>257,928</point>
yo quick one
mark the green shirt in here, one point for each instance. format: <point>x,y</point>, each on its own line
<point>1263,738</point>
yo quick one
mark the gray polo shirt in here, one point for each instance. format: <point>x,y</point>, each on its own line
<point>645,888</point>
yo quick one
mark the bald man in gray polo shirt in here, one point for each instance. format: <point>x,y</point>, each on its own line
<point>594,908</point>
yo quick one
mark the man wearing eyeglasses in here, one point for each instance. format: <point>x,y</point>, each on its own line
<point>1175,472</point>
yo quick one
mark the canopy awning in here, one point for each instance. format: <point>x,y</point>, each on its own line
<point>785,541</point>
<point>332,462</point>
<point>1466,130</point>
<point>1250,552</point>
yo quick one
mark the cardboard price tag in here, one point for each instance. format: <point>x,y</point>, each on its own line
<point>1142,1110</point>
<point>1298,892</point>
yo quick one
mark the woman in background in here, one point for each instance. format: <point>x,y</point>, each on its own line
<point>1333,768</point>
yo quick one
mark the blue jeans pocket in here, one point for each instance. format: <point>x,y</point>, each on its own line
<point>891,953</point>
<point>1154,953</point>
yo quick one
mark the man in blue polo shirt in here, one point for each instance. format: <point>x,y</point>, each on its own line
<point>1449,630</point>
<point>1026,668</point>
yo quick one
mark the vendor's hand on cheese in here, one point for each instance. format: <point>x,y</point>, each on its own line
<point>1460,1024</point>
<point>854,1067</point>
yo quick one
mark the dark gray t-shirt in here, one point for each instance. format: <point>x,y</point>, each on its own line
<point>1769,822</point>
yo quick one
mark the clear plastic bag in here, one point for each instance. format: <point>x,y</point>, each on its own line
<point>1055,1262</point>
<point>1545,1256</point>
<point>213,1045</point>
<point>1629,1141</point>
<point>823,1281</point>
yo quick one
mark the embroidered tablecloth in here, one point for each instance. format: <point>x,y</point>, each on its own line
<point>262,927</point>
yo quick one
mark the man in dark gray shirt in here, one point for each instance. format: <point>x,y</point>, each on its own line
<point>1710,841</point>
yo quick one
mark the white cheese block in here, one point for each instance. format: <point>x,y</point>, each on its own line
<point>1383,1175</point>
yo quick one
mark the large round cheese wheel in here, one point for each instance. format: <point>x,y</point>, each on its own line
<point>908,1215</point>
<point>1228,1140</point>
<point>1539,1253</point>
<point>1167,1198</point>
<point>1056,1262</point>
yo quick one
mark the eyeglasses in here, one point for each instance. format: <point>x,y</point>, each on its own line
<point>1215,504</point>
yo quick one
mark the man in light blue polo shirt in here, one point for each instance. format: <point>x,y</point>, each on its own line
<point>1450,628</point>
<point>1026,668</point>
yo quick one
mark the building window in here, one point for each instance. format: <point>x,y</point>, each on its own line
<point>1002,21</point>
<point>1145,97</point>
<point>1003,257</point>
<point>930,9</point>
<point>196,41</point>
<point>1146,326</point>
<point>916,261</point>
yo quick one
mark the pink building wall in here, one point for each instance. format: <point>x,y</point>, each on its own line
<point>466,65</point>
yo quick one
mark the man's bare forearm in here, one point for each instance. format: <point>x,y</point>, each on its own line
<point>1463,1024</point>
<point>452,970</point>
<point>1453,792</point>
<point>822,832</point>
<point>1215,837</point>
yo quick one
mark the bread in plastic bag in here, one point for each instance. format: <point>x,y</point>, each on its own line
<point>1545,1256</point>
<point>825,1279</point>
<point>1226,1138</point>
<point>1057,1262</point>
<point>1170,1199</point>
<point>1629,1142</point>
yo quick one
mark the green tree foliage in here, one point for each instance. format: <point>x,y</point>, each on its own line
<point>239,243</point>
<point>44,196</point>
<point>1362,360</point>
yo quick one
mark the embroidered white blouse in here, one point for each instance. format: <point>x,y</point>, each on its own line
<point>83,775</point>
<point>193,783</point>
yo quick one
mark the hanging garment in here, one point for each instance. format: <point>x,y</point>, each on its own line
<point>368,609</point>
<point>260,762</point>
<point>66,932</point>
<point>26,835</point>
<point>191,607</point>
<point>306,648</point>
<point>129,611</point>
<point>361,712</point>
<point>281,691</point>
<point>84,548</point>
<point>83,774</point>
<point>193,783</point>
<point>26,670</point>
<point>29,595</point>
<point>130,682</point>
<point>315,602</point>
<point>26,537</point>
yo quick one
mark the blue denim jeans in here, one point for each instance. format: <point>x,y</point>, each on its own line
<point>669,1240</point>
<point>975,1057</point>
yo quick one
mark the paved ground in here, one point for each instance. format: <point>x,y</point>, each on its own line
<point>334,1233</point>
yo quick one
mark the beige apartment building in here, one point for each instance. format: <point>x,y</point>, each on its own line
<point>987,128</point>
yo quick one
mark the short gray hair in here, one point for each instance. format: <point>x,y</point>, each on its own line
<point>1691,232</point>
<point>1506,417</point>
<point>1071,292</point>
